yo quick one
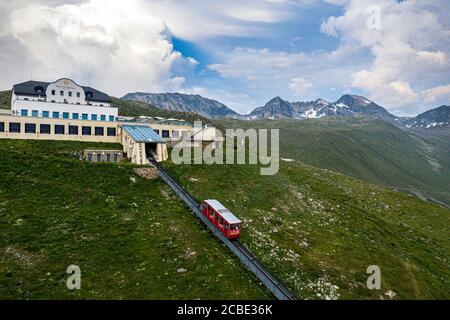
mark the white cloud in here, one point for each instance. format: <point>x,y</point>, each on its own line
<point>258,64</point>
<point>299,86</point>
<point>196,20</point>
<point>127,46</point>
<point>264,73</point>
<point>124,46</point>
<point>434,94</point>
<point>410,51</point>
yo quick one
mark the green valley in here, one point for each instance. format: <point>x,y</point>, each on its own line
<point>416,162</point>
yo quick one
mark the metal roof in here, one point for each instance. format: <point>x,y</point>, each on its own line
<point>142,133</point>
<point>31,88</point>
<point>224,212</point>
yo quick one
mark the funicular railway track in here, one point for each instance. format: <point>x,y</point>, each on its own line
<point>243,254</point>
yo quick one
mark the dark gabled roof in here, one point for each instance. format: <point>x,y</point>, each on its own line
<point>96,95</point>
<point>31,88</point>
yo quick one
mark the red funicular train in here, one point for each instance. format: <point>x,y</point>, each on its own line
<point>222,218</point>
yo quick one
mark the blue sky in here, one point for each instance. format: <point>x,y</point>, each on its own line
<point>300,33</point>
<point>240,52</point>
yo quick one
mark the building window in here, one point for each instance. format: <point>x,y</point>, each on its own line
<point>99,157</point>
<point>165,133</point>
<point>78,95</point>
<point>61,93</point>
<point>53,92</point>
<point>45,114</point>
<point>175,134</point>
<point>24,113</point>
<point>94,117</point>
<point>156,130</point>
<point>45,129</point>
<point>70,93</point>
<point>2,127</point>
<point>35,113</point>
<point>111,118</point>
<point>116,157</point>
<point>73,130</point>
<point>30,128</point>
<point>111,132</point>
<point>89,156</point>
<point>103,117</point>
<point>59,129</point>
<point>55,114</point>
<point>108,157</point>
<point>65,115</point>
<point>99,131</point>
<point>14,127</point>
<point>85,116</point>
<point>86,131</point>
<point>75,116</point>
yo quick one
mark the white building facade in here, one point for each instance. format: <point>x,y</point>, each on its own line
<point>62,99</point>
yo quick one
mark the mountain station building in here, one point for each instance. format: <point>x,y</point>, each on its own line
<point>63,110</point>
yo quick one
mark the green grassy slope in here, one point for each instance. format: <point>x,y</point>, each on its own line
<point>318,231</point>
<point>130,239</point>
<point>368,149</point>
<point>5,99</point>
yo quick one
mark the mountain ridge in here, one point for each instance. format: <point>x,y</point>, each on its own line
<point>278,108</point>
<point>209,108</point>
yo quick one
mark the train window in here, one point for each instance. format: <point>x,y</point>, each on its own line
<point>220,220</point>
<point>227,226</point>
<point>238,226</point>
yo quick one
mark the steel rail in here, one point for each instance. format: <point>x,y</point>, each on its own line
<point>244,255</point>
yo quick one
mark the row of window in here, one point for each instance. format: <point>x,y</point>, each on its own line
<point>15,127</point>
<point>164,133</point>
<point>61,93</point>
<point>66,115</point>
